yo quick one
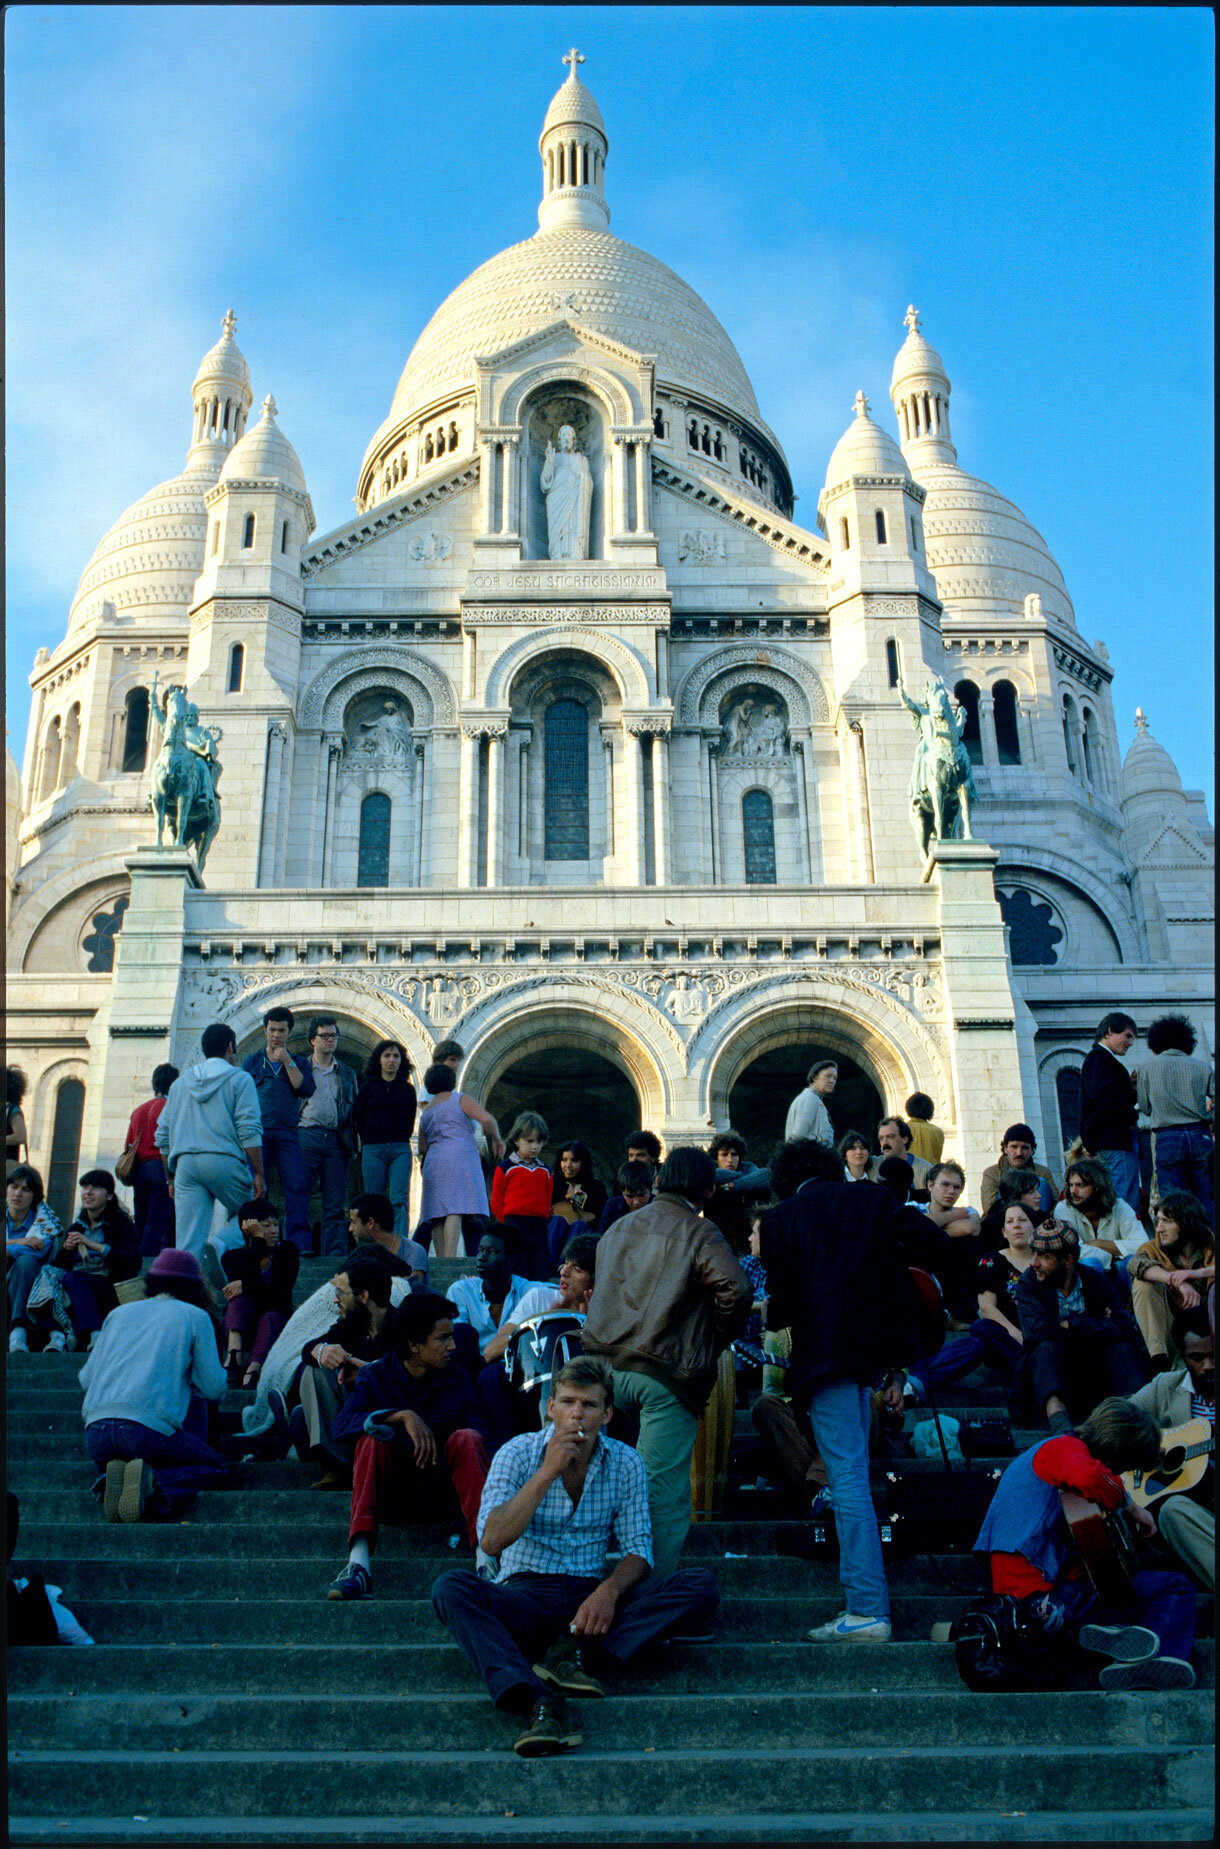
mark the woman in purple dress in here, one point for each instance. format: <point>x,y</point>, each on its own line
<point>452,1173</point>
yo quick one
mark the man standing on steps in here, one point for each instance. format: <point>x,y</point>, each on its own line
<point>837,1279</point>
<point>807,1114</point>
<point>1108,1107</point>
<point>283,1082</point>
<point>326,1130</point>
<point>554,1502</point>
<point>669,1299</point>
<point>211,1142</point>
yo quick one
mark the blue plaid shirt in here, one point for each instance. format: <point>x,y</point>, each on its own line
<point>563,1539</point>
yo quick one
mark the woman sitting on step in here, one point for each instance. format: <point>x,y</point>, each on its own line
<point>995,1338</point>
<point>261,1274</point>
<point>1172,1271</point>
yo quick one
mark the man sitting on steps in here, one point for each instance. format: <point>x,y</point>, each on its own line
<point>330,1363</point>
<point>554,1502</point>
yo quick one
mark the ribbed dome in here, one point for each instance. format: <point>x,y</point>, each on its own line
<point>981,547</point>
<point>596,279</point>
<point>265,454</point>
<point>1148,769</point>
<point>573,104</point>
<point>149,560</point>
<point>224,363</point>
<point>915,359</point>
<point>864,449</point>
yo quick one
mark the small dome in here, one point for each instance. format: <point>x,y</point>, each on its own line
<point>1148,769</point>
<point>864,449</point>
<point>915,358</point>
<point>572,105</point>
<point>265,454</point>
<point>149,560</point>
<point>224,363</point>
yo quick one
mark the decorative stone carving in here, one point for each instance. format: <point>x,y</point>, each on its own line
<point>382,740</point>
<point>429,548</point>
<point>754,729</point>
<point>796,684</point>
<point>375,669</point>
<point>567,483</point>
<point>1033,607</point>
<point>701,545</point>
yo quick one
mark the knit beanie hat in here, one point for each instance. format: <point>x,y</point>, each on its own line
<point>1019,1133</point>
<point>1054,1236</point>
<point>171,1263</point>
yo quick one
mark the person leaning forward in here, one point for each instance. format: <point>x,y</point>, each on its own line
<point>554,1501</point>
<point>669,1299</point>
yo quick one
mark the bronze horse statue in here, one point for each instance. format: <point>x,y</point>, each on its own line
<point>942,784</point>
<point>185,774</point>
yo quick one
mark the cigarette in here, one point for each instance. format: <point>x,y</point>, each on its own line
<point>580,1431</point>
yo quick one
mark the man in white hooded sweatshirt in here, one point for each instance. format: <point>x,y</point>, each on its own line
<point>210,1135</point>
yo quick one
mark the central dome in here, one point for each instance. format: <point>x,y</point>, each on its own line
<point>590,277</point>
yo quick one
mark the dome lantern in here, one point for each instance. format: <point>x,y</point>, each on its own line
<point>920,390</point>
<point>222,397</point>
<point>573,146</point>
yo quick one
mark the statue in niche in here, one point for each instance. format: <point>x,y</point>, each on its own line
<point>737,729</point>
<point>772,734</point>
<point>567,483</point>
<point>386,738</point>
<point>753,734</point>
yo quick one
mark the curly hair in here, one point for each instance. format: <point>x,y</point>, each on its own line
<point>1172,1032</point>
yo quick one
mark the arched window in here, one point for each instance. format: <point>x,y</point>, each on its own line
<point>1032,934</point>
<point>1067,1092</point>
<point>67,768</point>
<point>429,451</point>
<point>706,441</point>
<point>893,662</point>
<point>967,696</point>
<point>373,863</point>
<point>1007,737</point>
<point>453,440</point>
<point>844,535</point>
<point>50,760</point>
<point>237,667</point>
<point>566,798</point>
<point>758,824</point>
<point>135,729</point>
<point>717,447</point>
<point>1069,734</point>
<point>658,424</point>
<point>914,534</point>
<point>692,435</point>
<point>247,538</point>
<point>100,941</point>
<point>1088,740</point>
<point>65,1148</point>
<point>883,538</point>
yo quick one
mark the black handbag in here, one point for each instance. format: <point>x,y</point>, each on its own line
<point>997,1645</point>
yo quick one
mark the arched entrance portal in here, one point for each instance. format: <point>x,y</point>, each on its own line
<point>759,1099</point>
<point>581,1094</point>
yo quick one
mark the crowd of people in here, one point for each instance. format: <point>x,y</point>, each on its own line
<point>550,1403</point>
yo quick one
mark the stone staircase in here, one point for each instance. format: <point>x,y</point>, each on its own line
<point>227,1700</point>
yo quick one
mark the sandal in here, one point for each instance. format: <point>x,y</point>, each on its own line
<point>252,1373</point>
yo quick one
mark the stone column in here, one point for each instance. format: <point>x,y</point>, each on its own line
<point>523,747</point>
<point>802,810</point>
<point>713,777</point>
<point>276,737</point>
<point>508,501</point>
<point>859,784</point>
<point>421,790</point>
<point>987,745</point>
<point>635,806</point>
<point>495,804</point>
<point>620,486</point>
<point>608,749</point>
<point>643,482</point>
<point>487,483</point>
<point>660,809</point>
<point>468,807</point>
<point>332,750</point>
<point>978,1005</point>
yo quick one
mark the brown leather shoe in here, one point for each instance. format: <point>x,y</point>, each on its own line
<point>333,1479</point>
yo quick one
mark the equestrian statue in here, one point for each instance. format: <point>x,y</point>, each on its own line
<point>942,783</point>
<point>185,774</point>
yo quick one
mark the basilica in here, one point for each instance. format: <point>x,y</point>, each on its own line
<point>575,743</point>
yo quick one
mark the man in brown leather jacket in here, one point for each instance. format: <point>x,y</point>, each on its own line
<point>669,1298</point>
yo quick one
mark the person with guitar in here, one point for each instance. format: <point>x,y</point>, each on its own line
<point>1183,1404</point>
<point>1037,1558</point>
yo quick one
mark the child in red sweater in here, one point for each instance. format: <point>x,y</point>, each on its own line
<point>521,1195</point>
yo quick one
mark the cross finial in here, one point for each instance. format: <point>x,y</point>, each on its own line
<point>573,58</point>
<point>269,406</point>
<point>911,318</point>
<point>1141,722</point>
<point>861,405</point>
<point>230,322</point>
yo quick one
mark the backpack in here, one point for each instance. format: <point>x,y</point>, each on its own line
<point>997,1645</point>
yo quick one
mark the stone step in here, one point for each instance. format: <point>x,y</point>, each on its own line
<point>221,1722</point>
<point>770,1827</point>
<point>604,1780</point>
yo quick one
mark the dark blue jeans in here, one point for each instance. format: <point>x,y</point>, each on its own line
<point>324,1155</point>
<point>1184,1157</point>
<point>504,1626</point>
<point>282,1152</point>
<point>154,1210</point>
<point>986,1341</point>
<point>183,1461</point>
<point>1165,1602</point>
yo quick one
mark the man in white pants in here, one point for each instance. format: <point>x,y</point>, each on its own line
<point>210,1135</point>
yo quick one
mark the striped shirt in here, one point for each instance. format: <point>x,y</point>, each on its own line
<point>613,1509</point>
<point>1173,1088</point>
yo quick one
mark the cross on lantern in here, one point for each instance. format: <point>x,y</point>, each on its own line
<point>573,58</point>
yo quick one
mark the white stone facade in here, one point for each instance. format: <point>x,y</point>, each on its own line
<point>730,666</point>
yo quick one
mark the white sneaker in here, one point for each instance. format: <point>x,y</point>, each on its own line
<point>17,1343</point>
<point>58,1342</point>
<point>848,1625</point>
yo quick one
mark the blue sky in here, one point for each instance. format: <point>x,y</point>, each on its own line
<point>1038,181</point>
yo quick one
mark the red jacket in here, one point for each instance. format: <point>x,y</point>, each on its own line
<point>516,1189</point>
<point>143,1127</point>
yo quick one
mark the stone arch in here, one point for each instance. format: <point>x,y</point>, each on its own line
<point>795,683</point>
<point>105,872</point>
<point>1050,1065</point>
<point>359,670</point>
<point>898,1054</point>
<point>622,1028</point>
<point>1019,866</point>
<point>383,1014</point>
<point>40,1105</point>
<point>613,397</point>
<point>636,681</point>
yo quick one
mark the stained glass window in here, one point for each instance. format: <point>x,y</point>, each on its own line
<point>373,868</point>
<point>758,817</point>
<point>566,802</point>
<point>100,941</point>
<point>1031,934</point>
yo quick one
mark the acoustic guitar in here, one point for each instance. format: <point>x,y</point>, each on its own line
<point>1105,1544</point>
<point>1185,1450</point>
